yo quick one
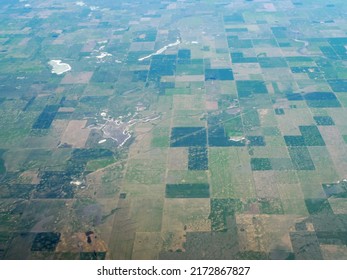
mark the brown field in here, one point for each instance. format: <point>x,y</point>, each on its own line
<point>52,139</point>
<point>123,233</point>
<point>265,184</point>
<point>142,142</point>
<point>76,134</point>
<point>270,52</point>
<point>300,117</point>
<point>77,242</point>
<point>334,252</point>
<point>186,214</point>
<point>147,246</point>
<point>60,89</point>
<point>282,103</point>
<point>336,148</point>
<point>286,126</point>
<point>59,41</point>
<point>66,109</point>
<point>270,152</point>
<point>89,46</point>
<point>174,241</point>
<point>190,78</point>
<point>24,42</point>
<point>135,190</point>
<point>223,62</point>
<point>339,115</point>
<point>29,177</point>
<point>178,159</point>
<point>267,117</point>
<point>276,74</point>
<point>265,232</point>
<point>339,205</point>
<point>94,182</point>
<point>242,71</point>
<point>211,105</point>
<point>292,199</point>
<point>331,135</point>
<point>142,46</point>
<point>337,153</point>
<point>77,78</point>
<point>188,102</point>
<point>146,212</point>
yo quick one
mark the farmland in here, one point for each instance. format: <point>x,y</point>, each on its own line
<point>173,129</point>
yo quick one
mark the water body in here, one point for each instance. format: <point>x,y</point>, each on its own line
<point>302,50</point>
<point>58,67</point>
<point>160,51</point>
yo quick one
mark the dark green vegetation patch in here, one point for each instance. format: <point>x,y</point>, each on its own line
<point>2,166</point>
<point>301,158</point>
<point>162,65</point>
<point>197,158</point>
<point>332,237</point>
<point>294,96</point>
<point>318,206</point>
<point>329,52</point>
<point>188,136</point>
<point>259,164</point>
<point>311,135</point>
<point>30,101</point>
<point>316,99</point>
<point>92,255</point>
<point>221,209</point>
<point>184,54</point>
<point>338,190</point>
<point>55,184</point>
<point>217,137</point>
<point>256,140</point>
<point>219,74</point>
<point>45,241</point>
<point>338,85</point>
<point>2,163</point>
<point>234,18</point>
<point>238,57</point>
<point>294,140</point>
<point>46,118</point>
<point>279,111</point>
<point>304,69</point>
<point>221,127</point>
<point>305,245</point>
<point>324,120</point>
<point>187,191</point>
<point>18,191</point>
<point>164,85</point>
<point>279,32</point>
<point>322,100</point>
